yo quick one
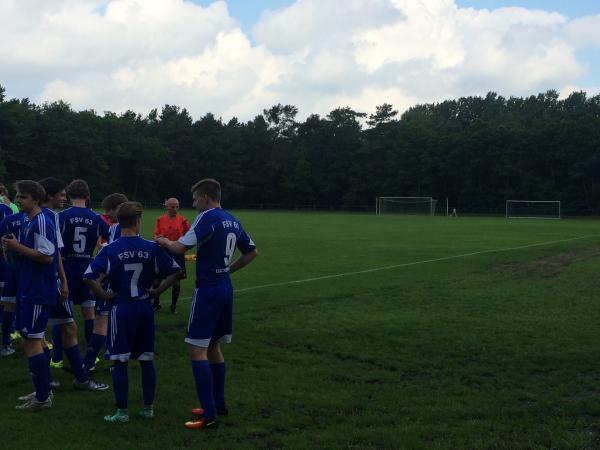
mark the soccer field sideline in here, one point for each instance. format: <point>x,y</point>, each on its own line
<point>413,263</point>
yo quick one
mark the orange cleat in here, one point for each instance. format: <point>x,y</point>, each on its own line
<point>197,411</point>
<point>202,424</point>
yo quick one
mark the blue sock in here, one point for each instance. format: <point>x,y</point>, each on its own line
<point>40,374</point>
<point>74,356</point>
<point>204,387</point>
<point>95,345</point>
<point>88,327</point>
<point>148,381</point>
<point>7,327</point>
<point>120,384</point>
<point>218,374</point>
<point>57,351</point>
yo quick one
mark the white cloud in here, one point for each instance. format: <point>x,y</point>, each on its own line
<point>317,54</point>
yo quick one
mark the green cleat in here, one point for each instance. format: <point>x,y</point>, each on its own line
<point>121,416</point>
<point>56,365</point>
<point>147,412</point>
<point>15,336</point>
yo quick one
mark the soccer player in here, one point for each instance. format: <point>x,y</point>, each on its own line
<point>10,224</point>
<point>62,313</point>
<point>81,228</point>
<point>5,199</point>
<point>37,286</point>
<point>110,204</point>
<point>172,226</point>
<point>216,234</point>
<point>130,265</point>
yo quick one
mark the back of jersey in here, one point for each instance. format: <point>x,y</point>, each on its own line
<point>131,265</point>
<point>217,234</point>
<point>80,229</point>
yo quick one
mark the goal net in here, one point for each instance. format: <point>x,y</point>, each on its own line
<point>405,205</point>
<point>533,209</point>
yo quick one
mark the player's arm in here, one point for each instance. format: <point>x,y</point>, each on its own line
<point>95,274</point>
<point>243,260</point>
<point>174,247</point>
<point>42,256</point>
<point>248,252</point>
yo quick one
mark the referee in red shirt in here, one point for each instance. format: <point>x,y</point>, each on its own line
<point>172,226</point>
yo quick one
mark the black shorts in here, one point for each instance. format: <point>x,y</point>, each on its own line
<point>180,260</point>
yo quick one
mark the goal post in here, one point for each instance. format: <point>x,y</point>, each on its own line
<point>405,205</point>
<point>533,209</point>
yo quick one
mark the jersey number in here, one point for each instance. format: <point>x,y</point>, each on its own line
<point>79,239</point>
<point>229,247</point>
<point>137,271</point>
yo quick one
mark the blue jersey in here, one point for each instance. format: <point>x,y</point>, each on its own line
<point>80,229</point>
<point>37,281</point>
<point>131,265</point>
<point>5,211</point>
<point>216,234</point>
<point>13,224</point>
<point>114,233</point>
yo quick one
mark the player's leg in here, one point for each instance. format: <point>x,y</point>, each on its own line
<point>57,351</point>
<point>204,315</point>
<point>98,338</point>
<point>144,352</point>
<point>222,335</point>
<point>8,320</point>
<point>88,313</point>
<point>176,289</point>
<point>32,321</point>
<point>121,329</point>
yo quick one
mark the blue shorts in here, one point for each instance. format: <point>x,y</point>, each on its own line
<point>32,319</point>
<point>130,331</point>
<point>103,307</point>
<point>211,314</point>
<point>60,313</point>
<point>11,284</point>
<point>79,293</point>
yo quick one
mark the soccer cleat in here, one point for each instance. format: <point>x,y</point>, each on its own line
<point>90,385</point>
<point>121,416</point>
<point>204,423</point>
<point>7,351</point>
<point>49,345</point>
<point>15,336</point>
<point>147,412</point>
<point>57,365</point>
<point>28,397</point>
<point>197,411</point>
<point>35,404</point>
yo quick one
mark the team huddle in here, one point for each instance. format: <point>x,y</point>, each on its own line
<point>51,261</point>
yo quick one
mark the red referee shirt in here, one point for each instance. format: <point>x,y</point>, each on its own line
<point>171,228</point>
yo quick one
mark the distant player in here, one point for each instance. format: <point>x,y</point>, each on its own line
<point>130,265</point>
<point>61,315</point>
<point>5,199</point>
<point>9,225</point>
<point>109,205</point>
<point>172,226</point>
<point>36,294</point>
<point>216,234</point>
<point>81,228</point>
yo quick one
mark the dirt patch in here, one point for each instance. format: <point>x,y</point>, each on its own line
<point>548,266</point>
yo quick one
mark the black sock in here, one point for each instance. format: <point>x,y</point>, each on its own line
<point>175,296</point>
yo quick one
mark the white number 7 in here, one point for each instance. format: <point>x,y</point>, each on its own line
<point>137,271</point>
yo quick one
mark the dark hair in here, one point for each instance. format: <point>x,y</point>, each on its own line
<point>3,190</point>
<point>52,186</point>
<point>128,212</point>
<point>33,188</point>
<point>113,201</point>
<point>78,189</point>
<point>210,187</point>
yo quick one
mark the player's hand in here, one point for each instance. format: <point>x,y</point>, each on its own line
<point>9,242</point>
<point>161,240</point>
<point>64,292</point>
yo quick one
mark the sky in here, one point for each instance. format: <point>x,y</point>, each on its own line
<point>235,58</point>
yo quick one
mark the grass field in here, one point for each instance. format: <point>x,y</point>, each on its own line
<point>466,335</point>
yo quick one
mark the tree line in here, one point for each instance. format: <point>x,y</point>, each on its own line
<point>475,151</point>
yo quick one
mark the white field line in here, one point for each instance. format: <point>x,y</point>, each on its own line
<point>414,263</point>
